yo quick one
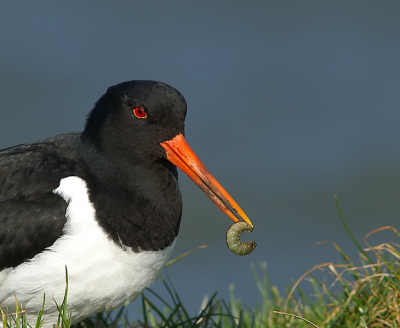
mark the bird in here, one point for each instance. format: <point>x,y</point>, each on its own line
<point>101,206</point>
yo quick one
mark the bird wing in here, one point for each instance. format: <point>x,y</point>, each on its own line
<point>32,216</point>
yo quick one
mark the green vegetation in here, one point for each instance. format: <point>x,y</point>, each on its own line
<point>362,293</point>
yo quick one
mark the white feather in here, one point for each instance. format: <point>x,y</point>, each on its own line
<point>101,274</point>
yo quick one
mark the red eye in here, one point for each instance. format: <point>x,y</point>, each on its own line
<point>139,112</point>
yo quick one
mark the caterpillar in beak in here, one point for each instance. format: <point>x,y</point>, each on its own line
<point>233,239</point>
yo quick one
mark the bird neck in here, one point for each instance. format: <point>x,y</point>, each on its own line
<point>138,205</point>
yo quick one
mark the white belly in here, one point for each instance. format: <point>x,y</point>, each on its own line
<point>101,274</point>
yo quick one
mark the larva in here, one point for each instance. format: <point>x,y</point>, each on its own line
<point>233,239</point>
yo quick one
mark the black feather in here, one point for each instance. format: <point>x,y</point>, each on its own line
<point>31,215</point>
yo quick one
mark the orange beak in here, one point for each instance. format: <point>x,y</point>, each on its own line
<point>181,155</point>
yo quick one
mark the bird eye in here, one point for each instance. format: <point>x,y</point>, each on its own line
<point>139,112</point>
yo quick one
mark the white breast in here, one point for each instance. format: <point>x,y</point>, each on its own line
<point>101,274</point>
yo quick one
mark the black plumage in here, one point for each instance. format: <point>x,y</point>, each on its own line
<point>31,215</point>
<point>132,186</point>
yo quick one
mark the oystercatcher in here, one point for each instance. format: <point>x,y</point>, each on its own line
<point>105,203</point>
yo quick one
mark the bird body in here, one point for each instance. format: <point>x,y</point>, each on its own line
<point>103,203</point>
<point>98,280</point>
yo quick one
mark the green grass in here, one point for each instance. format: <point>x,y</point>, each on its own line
<point>361,293</point>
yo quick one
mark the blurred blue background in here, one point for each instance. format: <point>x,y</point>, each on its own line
<point>289,103</point>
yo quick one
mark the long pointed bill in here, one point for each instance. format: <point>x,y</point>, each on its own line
<point>181,155</point>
